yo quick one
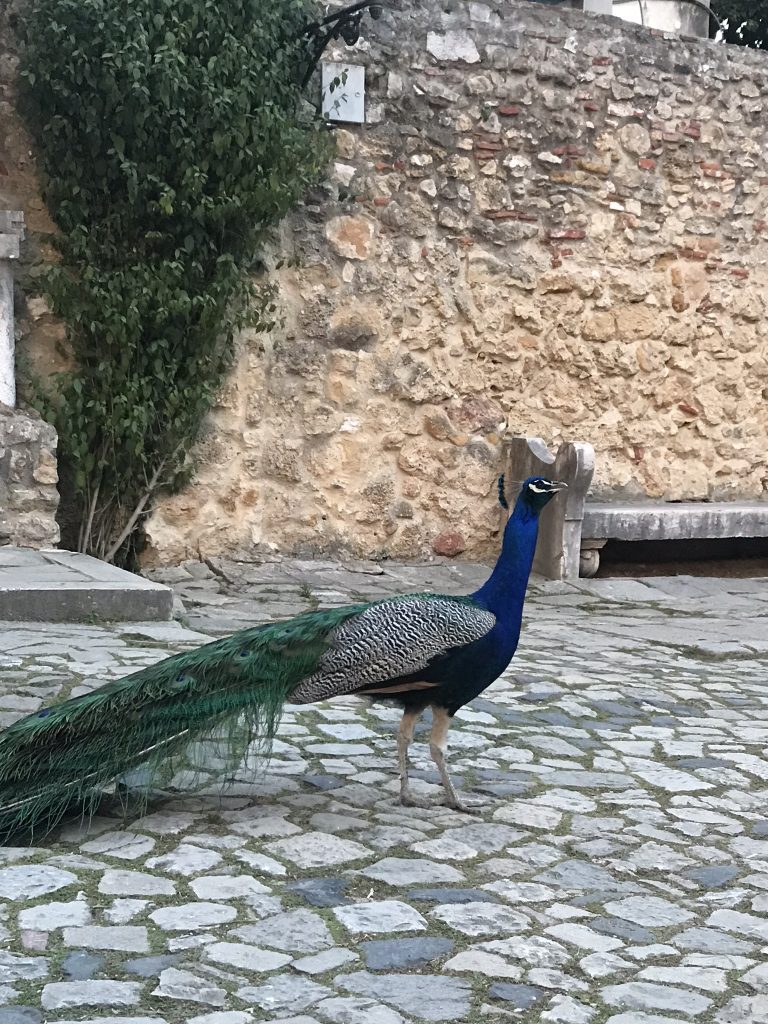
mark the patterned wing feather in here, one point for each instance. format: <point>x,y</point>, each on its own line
<point>392,639</point>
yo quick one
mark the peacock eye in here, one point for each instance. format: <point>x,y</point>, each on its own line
<point>45,713</point>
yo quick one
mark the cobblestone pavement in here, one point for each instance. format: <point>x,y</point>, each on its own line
<point>618,876</point>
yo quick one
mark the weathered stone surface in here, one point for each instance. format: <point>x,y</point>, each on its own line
<point>285,995</point>
<point>59,995</point>
<point>384,916</point>
<point>237,954</point>
<point>298,931</point>
<point>461,241</point>
<point>47,916</point>
<point>189,916</point>
<point>428,998</point>
<point>188,987</point>
<point>481,918</point>
<point>647,996</point>
<point>403,954</point>
<point>318,850</point>
<point>134,883</point>
<point>600,920</point>
<point>131,938</point>
<point>227,887</point>
<point>14,967</point>
<point>28,494</point>
<point>22,882</point>
<point>398,871</point>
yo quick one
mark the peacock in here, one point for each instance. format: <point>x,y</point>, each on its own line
<point>416,651</point>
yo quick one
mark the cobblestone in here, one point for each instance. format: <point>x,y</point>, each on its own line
<point>619,873</point>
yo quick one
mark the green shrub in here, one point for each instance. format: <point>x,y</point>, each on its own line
<point>172,134</point>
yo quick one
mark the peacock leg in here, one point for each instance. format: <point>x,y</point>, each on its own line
<point>438,741</point>
<point>404,738</point>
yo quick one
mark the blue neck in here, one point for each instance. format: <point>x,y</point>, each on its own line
<point>504,591</point>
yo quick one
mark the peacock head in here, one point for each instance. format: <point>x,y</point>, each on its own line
<point>535,492</point>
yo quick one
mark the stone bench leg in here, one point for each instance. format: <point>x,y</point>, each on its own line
<point>589,560</point>
<point>559,546</point>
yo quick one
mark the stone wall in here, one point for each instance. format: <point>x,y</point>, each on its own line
<point>552,222</point>
<point>28,477</point>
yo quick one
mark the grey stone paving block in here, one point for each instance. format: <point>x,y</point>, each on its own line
<point>81,966</point>
<point>328,960</point>
<point>709,979</point>
<point>522,997</point>
<point>421,996</point>
<point>348,1010</point>
<point>744,1010</point>
<point>188,987</point>
<point>583,937</point>
<point>649,911</point>
<point>286,994</point>
<point>567,1010</point>
<point>450,896</point>
<point>134,883</point>
<point>318,850</point>
<point>710,940</point>
<point>20,1015</point>
<point>477,961</point>
<point>743,924</point>
<point>297,931</point>
<point>16,967</point>
<point>227,887</point>
<point>624,930</point>
<point>115,1020</point>
<point>221,1017</point>
<point>639,1017</point>
<point>47,916</point>
<point>380,917</point>
<point>150,966</point>
<point>403,954</point>
<point>714,877</point>
<point>129,938</point>
<point>643,995</point>
<point>400,871</point>
<point>123,845</point>
<point>478,919</point>
<point>238,954</point>
<point>190,916</point>
<point>59,995</point>
<point>186,860</point>
<point>579,874</point>
<point>27,881</point>
<point>534,950</point>
<point>321,892</point>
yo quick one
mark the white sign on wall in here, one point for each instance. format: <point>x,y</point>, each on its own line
<point>343,92</point>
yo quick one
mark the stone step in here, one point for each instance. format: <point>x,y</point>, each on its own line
<point>64,586</point>
<point>679,520</point>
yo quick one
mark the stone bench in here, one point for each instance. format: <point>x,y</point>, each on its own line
<point>673,520</point>
<point>573,530</point>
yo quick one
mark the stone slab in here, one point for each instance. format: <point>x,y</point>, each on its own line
<point>66,586</point>
<point>680,520</point>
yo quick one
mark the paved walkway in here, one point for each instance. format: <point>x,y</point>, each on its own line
<point>619,874</point>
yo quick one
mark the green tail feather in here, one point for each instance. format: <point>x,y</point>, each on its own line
<point>231,691</point>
